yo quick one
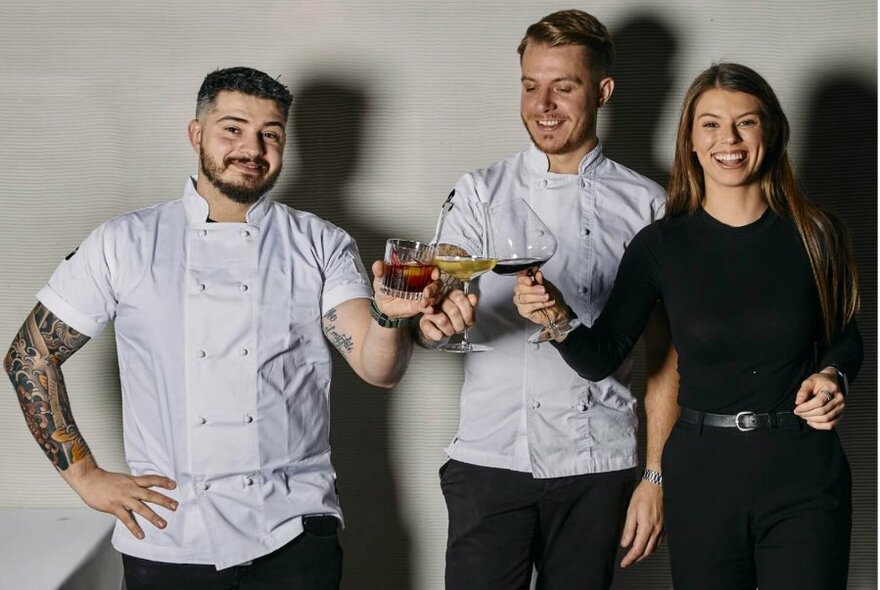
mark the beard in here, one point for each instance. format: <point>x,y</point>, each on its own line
<point>579,136</point>
<point>243,192</point>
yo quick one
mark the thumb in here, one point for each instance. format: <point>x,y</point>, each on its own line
<point>804,393</point>
<point>473,298</point>
<point>378,269</point>
<point>629,531</point>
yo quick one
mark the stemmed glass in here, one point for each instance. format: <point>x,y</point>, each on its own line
<point>523,242</point>
<point>465,261</point>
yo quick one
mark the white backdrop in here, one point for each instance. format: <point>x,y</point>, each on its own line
<point>396,99</point>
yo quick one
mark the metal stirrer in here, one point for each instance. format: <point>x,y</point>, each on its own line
<point>444,211</point>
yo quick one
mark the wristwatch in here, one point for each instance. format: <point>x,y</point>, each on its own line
<point>388,322</point>
<point>655,477</point>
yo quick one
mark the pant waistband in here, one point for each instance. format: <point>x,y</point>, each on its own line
<point>743,421</point>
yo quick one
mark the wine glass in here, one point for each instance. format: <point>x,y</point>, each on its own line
<point>523,242</point>
<point>465,252</point>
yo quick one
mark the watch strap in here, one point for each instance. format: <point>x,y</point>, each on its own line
<point>655,477</point>
<point>386,321</point>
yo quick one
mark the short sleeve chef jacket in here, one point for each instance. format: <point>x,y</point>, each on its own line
<point>522,408</point>
<point>224,369</point>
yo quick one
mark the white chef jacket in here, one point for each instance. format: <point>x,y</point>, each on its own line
<point>522,408</point>
<point>223,365</point>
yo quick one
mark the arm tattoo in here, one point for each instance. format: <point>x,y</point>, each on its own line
<point>33,363</point>
<point>342,342</point>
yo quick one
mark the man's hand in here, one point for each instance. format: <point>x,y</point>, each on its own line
<point>643,530</point>
<point>819,401</point>
<point>455,313</point>
<point>396,307</point>
<point>121,495</point>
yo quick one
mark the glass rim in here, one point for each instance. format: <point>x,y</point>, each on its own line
<point>412,244</point>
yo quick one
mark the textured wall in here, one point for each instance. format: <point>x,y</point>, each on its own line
<point>395,100</point>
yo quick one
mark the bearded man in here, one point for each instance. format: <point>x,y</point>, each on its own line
<point>222,300</point>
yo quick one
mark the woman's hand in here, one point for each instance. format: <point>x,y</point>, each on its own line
<point>819,401</point>
<point>531,298</point>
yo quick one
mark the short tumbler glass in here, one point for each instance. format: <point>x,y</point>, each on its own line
<point>408,268</point>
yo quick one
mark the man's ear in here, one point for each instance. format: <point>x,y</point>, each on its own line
<point>606,88</point>
<point>194,132</point>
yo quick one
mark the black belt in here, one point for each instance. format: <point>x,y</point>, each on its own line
<point>743,421</point>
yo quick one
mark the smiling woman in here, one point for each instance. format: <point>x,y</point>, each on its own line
<point>729,141</point>
<point>761,292</point>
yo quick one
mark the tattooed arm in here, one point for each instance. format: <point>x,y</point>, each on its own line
<point>378,355</point>
<point>33,363</point>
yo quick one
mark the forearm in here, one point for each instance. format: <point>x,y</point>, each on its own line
<point>385,354</point>
<point>419,338</point>
<point>661,386</point>
<point>846,353</point>
<point>33,364</point>
<point>591,357</point>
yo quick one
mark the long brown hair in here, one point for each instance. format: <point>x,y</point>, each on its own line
<point>824,237</point>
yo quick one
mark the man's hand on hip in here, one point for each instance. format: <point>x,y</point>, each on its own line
<point>120,494</point>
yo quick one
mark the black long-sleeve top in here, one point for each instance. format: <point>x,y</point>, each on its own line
<point>743,310</point>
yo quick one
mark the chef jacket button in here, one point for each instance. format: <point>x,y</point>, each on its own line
<point>243,288</point>
<point>202,420</point>
<point>202,233</point>
<point>245,233</point>
<point>202,354</point>
<point>202,286</point>
<point>248,419</point>
<point>585,232</point>
<point>536,404</point>
<point>205,486</point>
<point>582,290</point>
<point>545,183</point>
<point>243,352</point>
<point>582,406</point>
<point>248,481</point>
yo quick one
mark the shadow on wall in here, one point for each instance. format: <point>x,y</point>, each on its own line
<point>643,78</point>
<point>645,59</point>
<point>839,171</point>
<point>327,129</point>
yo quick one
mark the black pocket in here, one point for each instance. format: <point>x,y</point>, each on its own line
<point>321,526</point>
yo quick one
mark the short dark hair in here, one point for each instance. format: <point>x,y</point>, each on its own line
<point>574,27</point>
<point>245,80</point>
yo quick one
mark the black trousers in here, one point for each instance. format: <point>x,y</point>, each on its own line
<point>503,522</point>
<point>312,561</point>
<point>767,508</point>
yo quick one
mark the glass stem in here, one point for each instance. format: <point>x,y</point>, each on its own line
<point>551,325</point>
<point>464,336</point>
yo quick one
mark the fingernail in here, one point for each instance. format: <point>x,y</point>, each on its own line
<point>174,505</point>
<point>139,535</point>
<point>160,524</point>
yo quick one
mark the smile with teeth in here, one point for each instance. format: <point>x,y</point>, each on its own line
<point>249,166</point>
<point>730,157</point>
<point>549,123</point>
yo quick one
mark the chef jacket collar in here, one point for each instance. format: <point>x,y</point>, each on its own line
<point>539,161</point>
<point>197,207</point>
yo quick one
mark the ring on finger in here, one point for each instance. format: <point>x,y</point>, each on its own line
<point>828,395</point>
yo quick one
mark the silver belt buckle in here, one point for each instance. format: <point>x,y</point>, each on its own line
<point>740,426</point>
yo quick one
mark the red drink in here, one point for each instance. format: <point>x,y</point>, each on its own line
<point>511,266</point>
<point>405,279</point>
<point>408,268</point>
